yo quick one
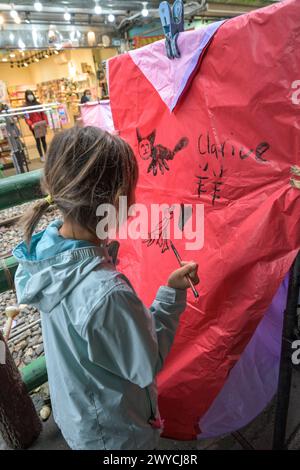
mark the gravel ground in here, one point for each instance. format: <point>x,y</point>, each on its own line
<point>12,235</point>
<point>14,211</point>
<point>27,345</point>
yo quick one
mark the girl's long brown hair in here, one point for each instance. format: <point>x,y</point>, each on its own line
<point>85,167</point>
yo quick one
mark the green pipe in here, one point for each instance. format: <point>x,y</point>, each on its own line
<point>21,188</point>
<point>8,267</point>
<point>35,374</point>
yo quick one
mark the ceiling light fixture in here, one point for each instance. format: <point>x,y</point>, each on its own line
<point>98,8</point>
<point>67,15</point>
<point>38,6</point>
<point>145,11</point>
<point>21,44</point>
<point>111,17</point>
<point>2,20</point>
<point>13,12</point>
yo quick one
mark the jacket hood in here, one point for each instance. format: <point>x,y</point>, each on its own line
<point>53,266</point>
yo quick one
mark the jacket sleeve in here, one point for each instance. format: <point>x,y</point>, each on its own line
<point>166,309</point>
<point>21,278</point>
<point>28,120</point>
<point>127,339</point>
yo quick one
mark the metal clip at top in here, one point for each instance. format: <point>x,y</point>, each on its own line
<point>172,20</point>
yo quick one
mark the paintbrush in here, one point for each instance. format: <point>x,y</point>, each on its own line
<point>195,292</point>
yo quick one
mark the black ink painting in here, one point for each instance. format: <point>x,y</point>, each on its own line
<point>158,154</point>
<point>159,235</point>
<point>186,213</point>
<point>210,182</point>
<point>213,156</point>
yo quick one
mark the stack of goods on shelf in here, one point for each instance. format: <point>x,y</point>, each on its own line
<point>65,91</point>
<point>17,94</point>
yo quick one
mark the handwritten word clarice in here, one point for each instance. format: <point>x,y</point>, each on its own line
<point>207,146</point>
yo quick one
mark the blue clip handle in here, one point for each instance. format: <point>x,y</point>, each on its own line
<point>172,20</point>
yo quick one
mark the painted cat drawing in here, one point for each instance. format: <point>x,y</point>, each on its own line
<point>158,154</point>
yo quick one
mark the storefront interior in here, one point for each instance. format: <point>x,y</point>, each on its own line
<point>59,50</point>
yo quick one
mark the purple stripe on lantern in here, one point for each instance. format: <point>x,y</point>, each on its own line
<point>252,382</point>
<point>209,32</point>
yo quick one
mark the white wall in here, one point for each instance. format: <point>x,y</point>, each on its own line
<point>15,76</point>
<point>46,69</point>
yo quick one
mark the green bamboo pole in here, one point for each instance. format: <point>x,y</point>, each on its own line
<point>35,374</point>
<point>21,188</point>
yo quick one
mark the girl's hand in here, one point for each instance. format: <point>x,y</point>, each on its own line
<point>178,278</point>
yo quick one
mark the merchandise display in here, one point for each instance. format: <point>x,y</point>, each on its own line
<point>12,146</point>
<point>17,94</point>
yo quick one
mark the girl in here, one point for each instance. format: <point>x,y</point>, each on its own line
<point>37,122</point>
<point>103,347</point>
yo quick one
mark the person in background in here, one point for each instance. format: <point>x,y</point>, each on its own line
<point>87,96</point>
<point>37,122</point>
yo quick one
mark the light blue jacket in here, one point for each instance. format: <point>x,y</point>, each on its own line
<point>103,347</point>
